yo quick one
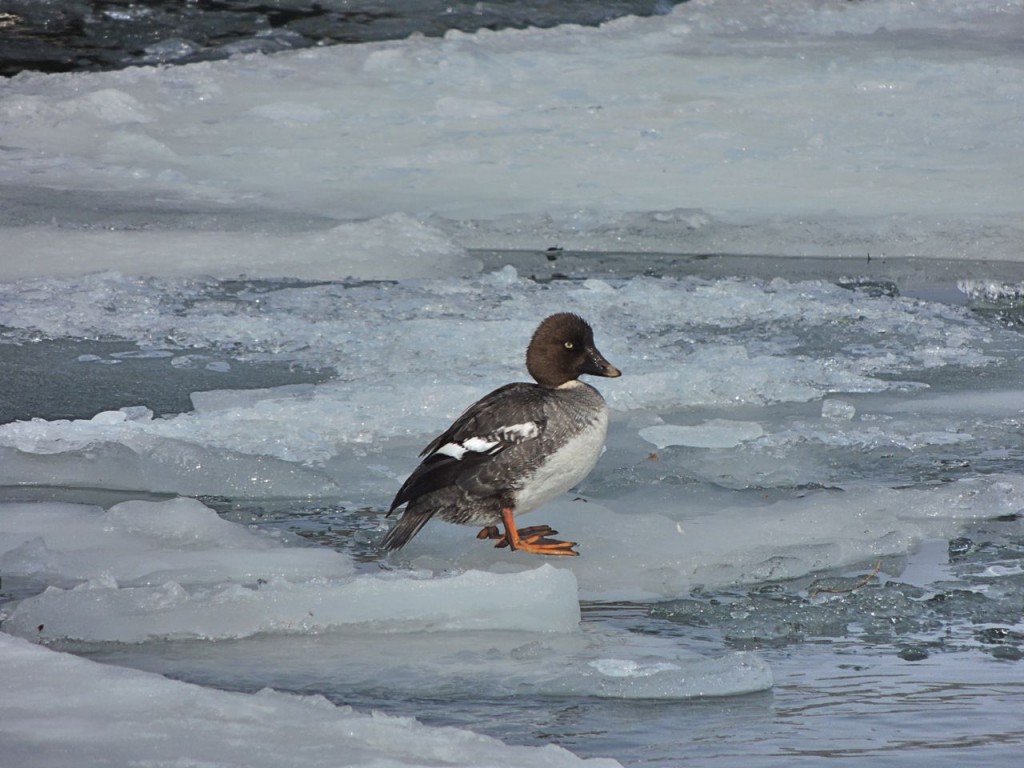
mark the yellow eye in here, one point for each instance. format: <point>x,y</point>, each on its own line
<point>568,345</point>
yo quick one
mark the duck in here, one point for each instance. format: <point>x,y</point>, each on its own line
<point>516,448</point>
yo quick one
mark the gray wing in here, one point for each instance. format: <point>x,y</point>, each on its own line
<point>469,453</point>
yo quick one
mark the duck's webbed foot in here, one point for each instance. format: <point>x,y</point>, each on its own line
<point>529,535</point>
<point>533,539</point>
<point>492,532</point>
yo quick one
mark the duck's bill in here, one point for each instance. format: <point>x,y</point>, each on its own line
<point>596,365</point>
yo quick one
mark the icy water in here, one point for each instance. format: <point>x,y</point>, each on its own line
<point>910,657</point>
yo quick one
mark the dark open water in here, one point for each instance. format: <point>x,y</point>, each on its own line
<point>72,36</point>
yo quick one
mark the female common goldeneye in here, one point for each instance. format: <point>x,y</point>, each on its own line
<point>516,448</point>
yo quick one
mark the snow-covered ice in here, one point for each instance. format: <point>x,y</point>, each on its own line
<point>808,127</point>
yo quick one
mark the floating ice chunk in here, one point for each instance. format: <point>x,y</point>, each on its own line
<point>505,276</point>
<point>396,246</point>
<point>991,290</point>
<point>838,409</point>
<point>540,600</point>
<point>180,523</point>
<point>393,246</point>
<point>658,679</point>
<point>158,466</point>
<point>176,569</point>
<point>224,399</point>
<point>29,560</point>
<point>137,413</point>
<point>600,662</point>
<point>631,668</point>
<point>109,418</point>
<point>187,361</point>
<point>170,50</point>
<point>142,354</point>
<point>139,543</point>
<point>993,403</point>
<point>715,433</point>
<point>655,545</point>
<point>98,715</point>
<point>1000,571</point>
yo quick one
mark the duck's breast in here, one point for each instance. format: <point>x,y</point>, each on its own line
<point>565,466</point>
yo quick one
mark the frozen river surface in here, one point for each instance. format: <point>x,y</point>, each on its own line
<point>237,298</point>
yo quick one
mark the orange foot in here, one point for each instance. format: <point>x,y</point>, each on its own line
<point>533,539</point>
<point>530,535</point>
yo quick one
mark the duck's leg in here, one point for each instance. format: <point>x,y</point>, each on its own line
<point>535,541</point>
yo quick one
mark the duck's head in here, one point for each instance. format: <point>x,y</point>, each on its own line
<point>562,349</point>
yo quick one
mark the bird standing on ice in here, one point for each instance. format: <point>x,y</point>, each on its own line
<point>516,448</point>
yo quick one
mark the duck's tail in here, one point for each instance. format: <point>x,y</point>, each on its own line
<point>408,526</point>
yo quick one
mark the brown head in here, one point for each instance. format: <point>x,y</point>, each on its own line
<point>562,349</point>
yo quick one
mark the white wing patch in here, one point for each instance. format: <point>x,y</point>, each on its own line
<point>492,443</point>
<point>516,433</point>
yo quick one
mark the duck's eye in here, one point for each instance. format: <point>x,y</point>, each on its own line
<point>568,345</point>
